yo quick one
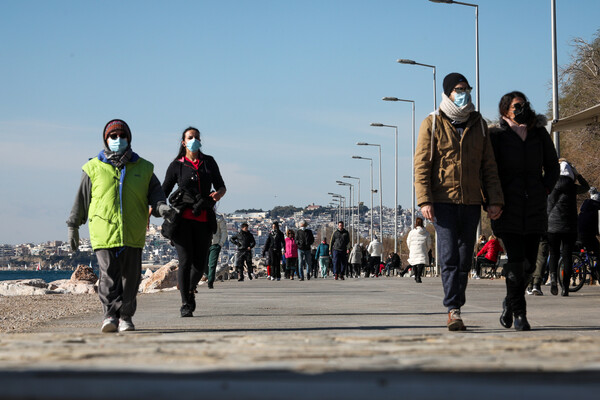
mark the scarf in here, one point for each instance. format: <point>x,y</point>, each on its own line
<point>116,159</point>
<point>519,129</point>
<point>455,113</point>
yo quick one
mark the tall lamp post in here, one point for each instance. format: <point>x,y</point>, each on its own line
<point>380,189</point>
<point>371,160</point>
<point>395,182</point>
<point>412,184</point>
<point>339,197</point>
<point>357,207</point>
<point>412,62</point>
<point>477,91</point>
<point>350,189</point>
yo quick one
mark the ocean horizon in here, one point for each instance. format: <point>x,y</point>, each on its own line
<point>47,276</point>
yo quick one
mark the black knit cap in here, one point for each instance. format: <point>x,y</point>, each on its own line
<point>451,80</point>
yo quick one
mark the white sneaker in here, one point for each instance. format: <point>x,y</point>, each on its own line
<point>126,325</point>
<point>476,276</point>
<point>109,325</point>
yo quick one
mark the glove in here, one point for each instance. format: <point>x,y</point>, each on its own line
<point>73,238</point>
<point>167,212</point>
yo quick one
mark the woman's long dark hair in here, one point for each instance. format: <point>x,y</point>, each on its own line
<point>181,152</point>
<point>504,106</point>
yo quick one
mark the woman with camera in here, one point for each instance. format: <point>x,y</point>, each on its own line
<point>195,174</point>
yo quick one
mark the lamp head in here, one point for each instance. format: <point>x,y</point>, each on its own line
<point>390,99</point>
<point>362,144</point>
<point>406,61</point>
<point>376,123</point>
<point>442,1</point>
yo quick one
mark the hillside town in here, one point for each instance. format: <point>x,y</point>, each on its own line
<point>56,254</point>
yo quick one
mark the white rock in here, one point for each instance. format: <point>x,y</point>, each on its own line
<point>25,287</point>
<point>69,286</point>
<point>164,278</point>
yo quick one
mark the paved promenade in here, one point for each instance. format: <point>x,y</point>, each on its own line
<point>319,339</point>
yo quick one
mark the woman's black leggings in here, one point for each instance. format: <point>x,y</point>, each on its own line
<point>519,249</point>
<point>561,244</point>
<point>192,241</point>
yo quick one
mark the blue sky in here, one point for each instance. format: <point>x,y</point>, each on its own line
<point>281,90</point>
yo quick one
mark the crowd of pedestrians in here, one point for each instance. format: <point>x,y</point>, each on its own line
<point>460,165</point>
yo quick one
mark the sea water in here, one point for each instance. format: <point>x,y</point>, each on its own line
<point>47,276</point>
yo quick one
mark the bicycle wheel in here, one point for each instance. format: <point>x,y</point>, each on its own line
<point>579,273</point>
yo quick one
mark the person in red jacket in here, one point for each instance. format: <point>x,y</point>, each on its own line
<point>491,250</point>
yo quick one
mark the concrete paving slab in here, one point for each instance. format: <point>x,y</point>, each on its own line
<point>251,336</point>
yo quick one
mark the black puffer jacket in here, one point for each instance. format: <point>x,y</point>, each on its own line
<point>528,171</point>
<point>340,240</point>
<point>562,204</point>
<point>588,218</point>
<point>243,240</point>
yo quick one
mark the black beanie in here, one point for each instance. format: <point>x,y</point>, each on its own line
<point>451,80</point>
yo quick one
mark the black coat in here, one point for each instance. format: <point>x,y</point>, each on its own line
<point>304,239</point>
<point>340,240</point>
<point>199,182</point>
<point>275,242</point>
<point>562,204</point>
<point>243,240</point>
<point>528,171</point>
<point>588,218</point>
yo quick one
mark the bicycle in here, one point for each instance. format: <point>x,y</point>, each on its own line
<point>584,267</point>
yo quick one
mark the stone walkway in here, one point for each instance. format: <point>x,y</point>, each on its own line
<point>323,338</point>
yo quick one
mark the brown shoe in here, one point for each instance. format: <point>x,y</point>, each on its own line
<point>455,323</point>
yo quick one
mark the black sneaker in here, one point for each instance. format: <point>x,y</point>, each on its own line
<point>186,311</point>
<point>210,285</point>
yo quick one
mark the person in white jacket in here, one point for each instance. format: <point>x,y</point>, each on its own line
<point>375,251</point>
<point>419,243</point>
<point>218,240</point>
<point>355,261</point>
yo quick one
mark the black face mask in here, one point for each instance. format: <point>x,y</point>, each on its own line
<point>522,113</point>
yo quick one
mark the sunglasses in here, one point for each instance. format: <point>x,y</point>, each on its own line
<point>115,135</point>
<point>463,90</point>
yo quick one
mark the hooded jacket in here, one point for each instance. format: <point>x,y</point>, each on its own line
<point>528,171</point>
<point>355,255</point>
<point>588,218</point>
<point>340,240</point>
<point>220,236</point>
<point>243,240</point>
<point>304,238</point>
<point>562,204</point>
<point>375,248</point>
<point>454,168</point>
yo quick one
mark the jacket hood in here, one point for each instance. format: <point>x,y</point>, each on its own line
<point>540,122</point>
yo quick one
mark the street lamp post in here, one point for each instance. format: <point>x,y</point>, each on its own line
<point>371,160</point>
<point>395,182</point>
<point>477,91</point>
<point>412,185</point>
<point>338,197</point>
<point>380,189</point>
<point>412,62</point>
<point>350,189</point>
<point>357,207</point>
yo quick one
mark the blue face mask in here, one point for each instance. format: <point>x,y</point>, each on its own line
<point>462,99</point>
<point>193,145</point>
<point>117,145</point>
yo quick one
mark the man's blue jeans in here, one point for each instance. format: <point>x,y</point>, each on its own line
<point>304,258</point>
<point>456,227</point>
<point>340,259</point>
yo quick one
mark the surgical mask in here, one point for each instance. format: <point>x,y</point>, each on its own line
<point>117,145</point>
<point>462,99</point>
<point>193,145</point>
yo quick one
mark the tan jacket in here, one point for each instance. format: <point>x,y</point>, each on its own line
<point>461,169</point>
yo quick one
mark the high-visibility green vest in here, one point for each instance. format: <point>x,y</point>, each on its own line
<point>118,212</point>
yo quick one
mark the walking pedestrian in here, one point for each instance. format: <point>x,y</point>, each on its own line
<point>196,175</point>
<point>218,240</point>
<point>541,267</point>
<point>340,246</point>
<point>322,255</point>
<point>454,163</point>
<point>244,240</point>
<point>562,222</point>
<point>291,254</point>
<point>274,247</point>
<point>304,240</point>
<point>587,223</point>
<point>375,250</point>
<point>355,260</point>
<point>481,241</point>
<point>115,190</point>
<point>527,166</point>
<point>418,242</point>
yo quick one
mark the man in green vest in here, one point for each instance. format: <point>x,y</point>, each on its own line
<point>116,189</point>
